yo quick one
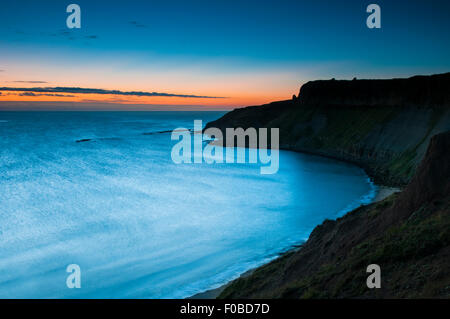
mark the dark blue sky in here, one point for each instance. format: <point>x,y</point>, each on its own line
<point>312,38</point>
<point>266,30</point>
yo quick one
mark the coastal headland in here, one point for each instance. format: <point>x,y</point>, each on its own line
<point>399,131</point>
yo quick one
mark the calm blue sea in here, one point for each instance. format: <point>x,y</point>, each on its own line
<point>138,225</point>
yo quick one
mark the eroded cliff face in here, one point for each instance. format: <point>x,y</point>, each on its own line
<point>407,235</point>
<point>382,125</point>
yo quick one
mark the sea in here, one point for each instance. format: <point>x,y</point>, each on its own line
<point>100,190</point>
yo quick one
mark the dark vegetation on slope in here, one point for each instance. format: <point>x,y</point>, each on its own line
<point>407,234</point>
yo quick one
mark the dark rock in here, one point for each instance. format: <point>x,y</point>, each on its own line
<point>84,140</point>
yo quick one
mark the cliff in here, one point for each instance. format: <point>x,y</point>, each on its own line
<point>399,131</point>
<point>407,234</point>
<point>383,126</point>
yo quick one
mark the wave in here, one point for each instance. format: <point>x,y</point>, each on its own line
<point>365,199</point>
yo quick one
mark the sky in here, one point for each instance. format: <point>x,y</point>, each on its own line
<point>211,55</point>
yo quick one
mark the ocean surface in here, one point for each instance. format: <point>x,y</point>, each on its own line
<point>139,225</point>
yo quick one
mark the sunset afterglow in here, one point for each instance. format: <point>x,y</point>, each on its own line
<point>247,54</point>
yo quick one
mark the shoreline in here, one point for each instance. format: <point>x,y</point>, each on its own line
<point>382,193</point>
<point>385,192</point>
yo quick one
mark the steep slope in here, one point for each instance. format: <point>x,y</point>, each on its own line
<point>407,234</point>
<point>382,125</point>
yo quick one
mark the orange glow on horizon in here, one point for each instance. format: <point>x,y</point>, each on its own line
<point>239,86</point>
<point>214,103</point>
